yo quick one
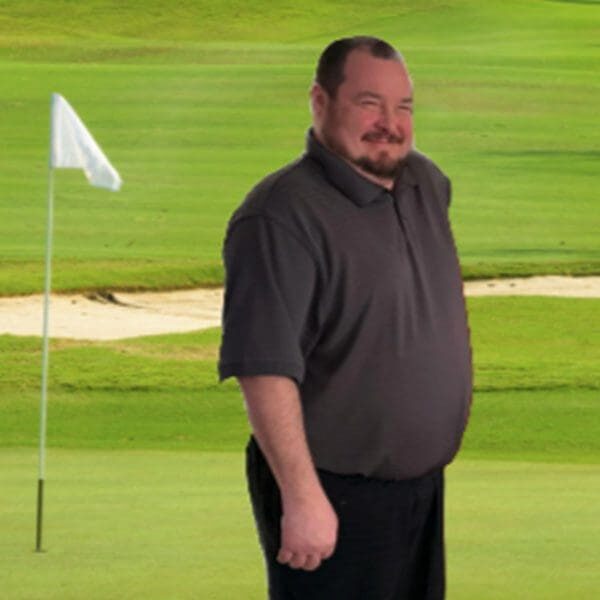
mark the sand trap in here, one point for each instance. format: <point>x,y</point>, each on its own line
<point>113,316</point>
<point>551,285</point>
<point>122,315</point>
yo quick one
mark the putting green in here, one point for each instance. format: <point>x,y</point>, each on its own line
<point>150,524</point>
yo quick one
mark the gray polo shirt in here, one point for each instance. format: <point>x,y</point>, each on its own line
<point>355,293</point>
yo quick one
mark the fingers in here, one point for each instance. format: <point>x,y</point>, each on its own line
<point>312,562</point>
<point>284,556</point>
<point>307,562</point>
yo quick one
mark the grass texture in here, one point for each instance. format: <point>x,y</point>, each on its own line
<point>152,524</point>
<point>195,104</point>
<point>537,386</point>
<point>145,492</point>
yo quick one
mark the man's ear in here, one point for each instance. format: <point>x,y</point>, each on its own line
<point>318,100</point>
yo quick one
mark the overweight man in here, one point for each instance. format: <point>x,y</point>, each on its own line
<point>345,324</point>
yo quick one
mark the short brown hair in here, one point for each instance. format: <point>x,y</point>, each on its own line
<point>330,68</point>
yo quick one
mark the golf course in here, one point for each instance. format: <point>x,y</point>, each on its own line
<point>193,102</point>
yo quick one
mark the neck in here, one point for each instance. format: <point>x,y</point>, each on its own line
<point>385,182</point>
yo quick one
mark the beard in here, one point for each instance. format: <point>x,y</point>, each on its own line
<point>382,166</point>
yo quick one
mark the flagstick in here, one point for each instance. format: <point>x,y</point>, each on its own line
<point>44,397</point>
<point>74,147</point>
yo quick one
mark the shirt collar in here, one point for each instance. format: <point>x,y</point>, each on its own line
<point>346,179</point>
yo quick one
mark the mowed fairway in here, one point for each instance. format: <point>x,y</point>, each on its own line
<point>195,108</point>
<point>193,102</point>
<point>146,493</point>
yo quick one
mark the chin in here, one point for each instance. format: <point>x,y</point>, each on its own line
<point>380,166</point>
<point>385,157</point>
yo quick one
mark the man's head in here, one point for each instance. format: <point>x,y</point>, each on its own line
<point>361,102</point>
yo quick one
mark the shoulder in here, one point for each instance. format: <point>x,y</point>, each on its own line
<point>283,192</point>
<point>292,198</point>
<point>284,206</point>
<point>421,165</point>
<point>429,175</point>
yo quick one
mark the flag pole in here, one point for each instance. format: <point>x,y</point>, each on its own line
<point>71,146</point>
<point>44,395</point>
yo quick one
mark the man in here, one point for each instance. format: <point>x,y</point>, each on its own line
<point>344,322</point>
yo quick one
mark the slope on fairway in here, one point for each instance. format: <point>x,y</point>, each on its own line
<point>194,109</point>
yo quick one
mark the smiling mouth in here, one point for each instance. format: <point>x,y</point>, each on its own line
<point>381,138</point>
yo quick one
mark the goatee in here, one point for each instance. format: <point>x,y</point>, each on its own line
<point>382,167</point>
<point>379,168</point>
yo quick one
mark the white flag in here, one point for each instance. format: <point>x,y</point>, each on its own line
<point>72,146</point>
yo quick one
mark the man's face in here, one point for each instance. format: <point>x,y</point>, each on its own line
<point>369,122</point>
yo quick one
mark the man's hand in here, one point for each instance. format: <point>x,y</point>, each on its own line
<point>309,524</point>
<point>308,532</point>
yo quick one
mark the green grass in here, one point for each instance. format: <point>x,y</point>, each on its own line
<point>522,530</point>
<point>537,387</point>
<point>194,104</point>
<point>128,525</point>
<point>145,491</point>
<point>133,524</point>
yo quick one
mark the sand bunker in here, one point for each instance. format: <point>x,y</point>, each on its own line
<point>111,316</point>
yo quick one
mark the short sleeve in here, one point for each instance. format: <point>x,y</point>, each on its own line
<point>269,289</point>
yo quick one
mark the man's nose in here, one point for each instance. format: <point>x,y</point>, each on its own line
<point>386,118</point>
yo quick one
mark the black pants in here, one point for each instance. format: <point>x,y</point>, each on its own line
<point>390,543</point>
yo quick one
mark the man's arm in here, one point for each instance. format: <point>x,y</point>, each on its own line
<point>309,523</point>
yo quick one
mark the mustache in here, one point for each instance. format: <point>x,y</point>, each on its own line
<point>382,136</point>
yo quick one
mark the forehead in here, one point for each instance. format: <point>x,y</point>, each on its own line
<point>363,72</point>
